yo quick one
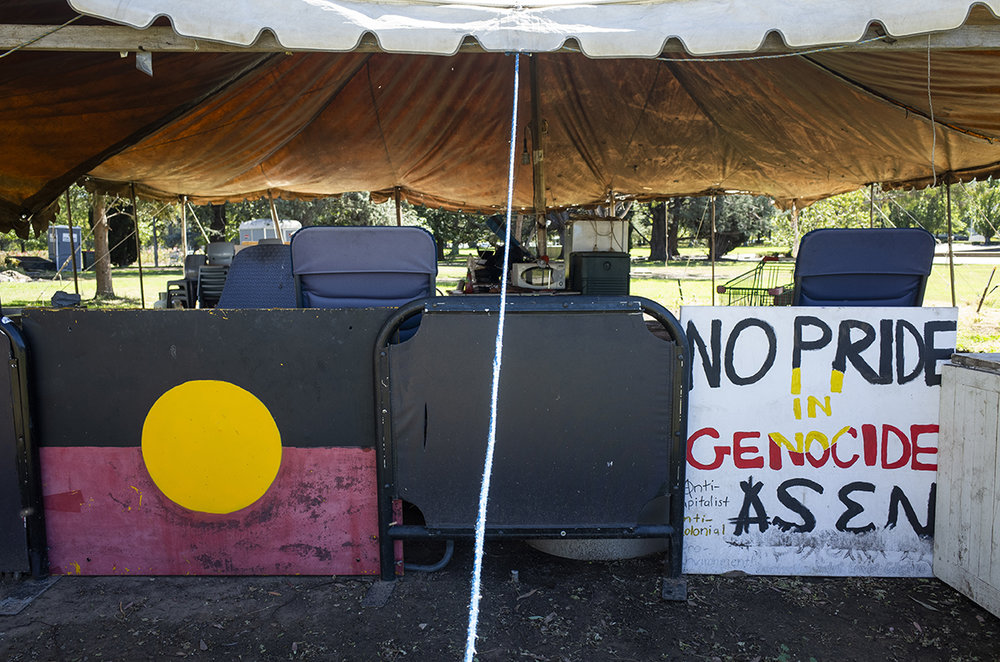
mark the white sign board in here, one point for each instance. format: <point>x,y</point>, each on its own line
<point>812,439</point>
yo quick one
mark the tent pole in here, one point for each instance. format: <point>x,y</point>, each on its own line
<point>184,228</point>
<point>156,247</point>
<point>138,243</point>
<point>72,243</point>
<point>711,250</point>
<point>274,217</point>
<point>986,290</point>
<point>399,208</point>
<point>951,252</point>
<point>201,227</point>
<point>795,229</point>
<point>871,205</point>
<point>538,159</point>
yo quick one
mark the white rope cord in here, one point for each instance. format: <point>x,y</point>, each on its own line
<point>771,56</point>
<point>484,492</point>
<point>41,36</point>
<point>901,208</point>
<point>753,58</point>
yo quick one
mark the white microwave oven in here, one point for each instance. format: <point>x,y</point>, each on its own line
<point>538,276</point>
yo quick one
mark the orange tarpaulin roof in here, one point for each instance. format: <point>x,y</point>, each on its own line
<point>224,126</point>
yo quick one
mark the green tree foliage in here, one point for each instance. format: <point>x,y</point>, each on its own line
<point>915,209</point>
<point>80,200</point>
<point>452,228</point>
<point>165,215</point>
<point>348,209</point>
<point>739,219</point>
<point>641,218</point>
<point>356,209</point>
<point>981,211</point>
<point>975,208</point>
<point>849,210</point>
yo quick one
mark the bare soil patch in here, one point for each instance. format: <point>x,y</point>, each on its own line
<point>555,610</point>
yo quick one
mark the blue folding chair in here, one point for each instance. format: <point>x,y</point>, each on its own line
<point>364,267</point>
<point>260,277</point>
<point>857,267</point>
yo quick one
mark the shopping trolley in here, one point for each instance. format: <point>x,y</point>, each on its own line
<point>770,283</point>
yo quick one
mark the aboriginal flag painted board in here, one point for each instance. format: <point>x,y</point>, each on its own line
<point>97,373</point>
<point>206,442</point>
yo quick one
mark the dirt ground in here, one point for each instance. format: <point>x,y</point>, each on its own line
<point>535,607</point>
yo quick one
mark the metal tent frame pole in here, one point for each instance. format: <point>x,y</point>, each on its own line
<point>138,243</point>
<point>951,252</point>
<point>538,160</point>
<point>72,244</point>
<point>274,217</point>
<point>711,249</point>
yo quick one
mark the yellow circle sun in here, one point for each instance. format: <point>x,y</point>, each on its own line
<point>211,446</point>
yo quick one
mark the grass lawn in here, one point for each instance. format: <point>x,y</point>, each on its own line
<point>125,282</point>
<point>680,282</point>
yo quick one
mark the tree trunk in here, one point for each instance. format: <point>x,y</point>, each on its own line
<point>658,233</point>
<point>439,243</point>
<point>673,221</point>
<point>102,256</point>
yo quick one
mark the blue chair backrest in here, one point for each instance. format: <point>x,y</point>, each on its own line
<point>260,277</point>
<point>363,267</point>
<point>858,267</point>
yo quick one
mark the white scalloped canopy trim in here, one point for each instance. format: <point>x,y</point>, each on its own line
<point>605,28</point>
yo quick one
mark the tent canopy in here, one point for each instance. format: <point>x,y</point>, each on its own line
<point>602,28</point>
<point>302,98</point>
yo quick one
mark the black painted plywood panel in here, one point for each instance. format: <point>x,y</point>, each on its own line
<point>13,539</point>
<point>584,427</point>
<point>95,374</point>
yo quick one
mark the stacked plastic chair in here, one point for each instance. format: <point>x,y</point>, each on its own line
<point>212,274</point>
<point>183,293</point>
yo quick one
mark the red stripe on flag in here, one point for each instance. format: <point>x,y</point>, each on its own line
<point>67,502</point>
<point>318,517</point>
